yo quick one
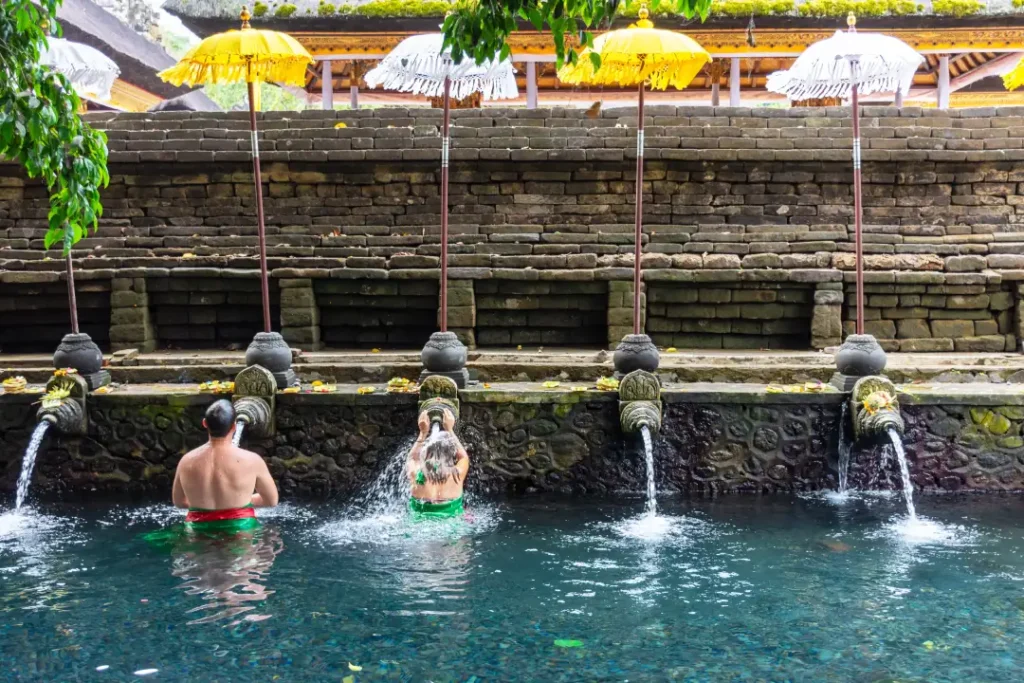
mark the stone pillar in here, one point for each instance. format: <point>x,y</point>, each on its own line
<point>531,85</point>
<point>716,78</point>
<point>942,92</point>
<point>462,311</point>
<point>1018,327</point>
<point>130,323</point>
<point>620,311</point>
<point>734,81</point>
<point>827,315</point>
<point>300,316</point>
<point>327,86</point>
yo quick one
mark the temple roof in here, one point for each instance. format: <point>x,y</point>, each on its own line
<point>139,59</point>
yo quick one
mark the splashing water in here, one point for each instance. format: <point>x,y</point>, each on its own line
<point>908,485</point>
<point>652,502</point>
<point>844,453</point>
<point>237,438</point>
<point>28,463</point>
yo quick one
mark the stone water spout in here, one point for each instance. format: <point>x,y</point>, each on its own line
<point>254,400</point>
<point>640,402</point>
<point>875,409</point>
<point>63,404</point>
<point>438,393</point>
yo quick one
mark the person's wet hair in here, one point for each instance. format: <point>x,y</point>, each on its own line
<point>220,418</point>
<point>440,457</point>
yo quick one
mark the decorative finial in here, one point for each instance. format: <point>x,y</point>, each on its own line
<point>851,21</point>
<point>643,13</point>
<point>245,17</point>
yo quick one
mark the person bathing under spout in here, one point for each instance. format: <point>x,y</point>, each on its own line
<point>437,467</point>
<point>216,481</point>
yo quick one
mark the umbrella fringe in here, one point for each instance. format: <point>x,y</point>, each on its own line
<point>424,74</point>
<point>289,70</point>
<point>661,71</point>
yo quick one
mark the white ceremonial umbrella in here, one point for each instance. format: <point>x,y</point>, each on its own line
<point>847,65</point>
<point>91,73</point>
<point>419,65</point>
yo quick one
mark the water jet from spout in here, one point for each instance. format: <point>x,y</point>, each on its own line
<point>908,485</point>
<point>239,428</point>
<point>652,503</point>
<point>28,463</point>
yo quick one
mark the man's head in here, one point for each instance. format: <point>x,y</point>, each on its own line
<point>220,419</point>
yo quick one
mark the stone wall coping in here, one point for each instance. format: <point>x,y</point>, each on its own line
<point>972,394</point>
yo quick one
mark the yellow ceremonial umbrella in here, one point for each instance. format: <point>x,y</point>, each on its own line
<point>1015,78</point>
<point>251,56</point>
<point>635,57</point>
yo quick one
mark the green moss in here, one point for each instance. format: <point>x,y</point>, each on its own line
<point>1010,442</point>
<point>957,8</point>
<point>746,8</point>
<point>397,8</point>
<point>153,470</point>
<point>259,10</point>
<point>285,11</point>
<point>979,415</point>
<point>1012,412</point>
<point>998,424</point>
<point>860,8</point>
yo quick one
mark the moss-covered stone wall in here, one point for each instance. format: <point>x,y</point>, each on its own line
<point>712,442</point>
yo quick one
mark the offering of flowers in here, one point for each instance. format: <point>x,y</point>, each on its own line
<point>64,372</point>
<point>55,396</point>
<point>217,387</point>
<point>14,385</point>
<point>365,390</point>
<point>321,388</point>
<point>290,390</point>
<point>401,385</point>
<point>608,384</point>
<point>551,385</point>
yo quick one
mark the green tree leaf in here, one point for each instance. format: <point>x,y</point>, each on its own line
<point>40,126</point>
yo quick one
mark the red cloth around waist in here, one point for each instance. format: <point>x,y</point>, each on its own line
<point>220,515</point>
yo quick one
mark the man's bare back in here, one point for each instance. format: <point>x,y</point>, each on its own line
<point>219,475</point>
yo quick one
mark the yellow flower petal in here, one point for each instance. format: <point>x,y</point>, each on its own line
<point>374,350</point>
<point>550,385</point>
<point>353,667</point>
<point>365,390</point>
<point>290,390</point>
<point>670,349</point>
<point>317,383</point>
<point>341,124</point>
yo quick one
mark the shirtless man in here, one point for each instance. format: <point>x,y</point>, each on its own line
<point>215,482</point>
<point>437,468</point>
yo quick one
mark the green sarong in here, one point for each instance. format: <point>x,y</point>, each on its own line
<point>424,509</point>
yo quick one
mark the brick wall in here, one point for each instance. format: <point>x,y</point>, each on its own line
<point>735,199</point>
<point>35,315</point>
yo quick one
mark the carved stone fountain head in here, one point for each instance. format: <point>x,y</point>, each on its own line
<point>63,404</point>
<point>875,408</point>
<point>437,394</point>
<point>255,399</point>
<point>640,402</point>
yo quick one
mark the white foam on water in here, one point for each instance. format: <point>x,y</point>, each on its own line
<point>152,516</point>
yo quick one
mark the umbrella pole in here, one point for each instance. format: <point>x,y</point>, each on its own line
<point>858,208</point>
<point>72,300</point>
<point>264,281</point>
<point>445,145</point>
<point>639,209</point>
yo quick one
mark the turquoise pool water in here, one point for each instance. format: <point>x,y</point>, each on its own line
<point>746,589</point>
